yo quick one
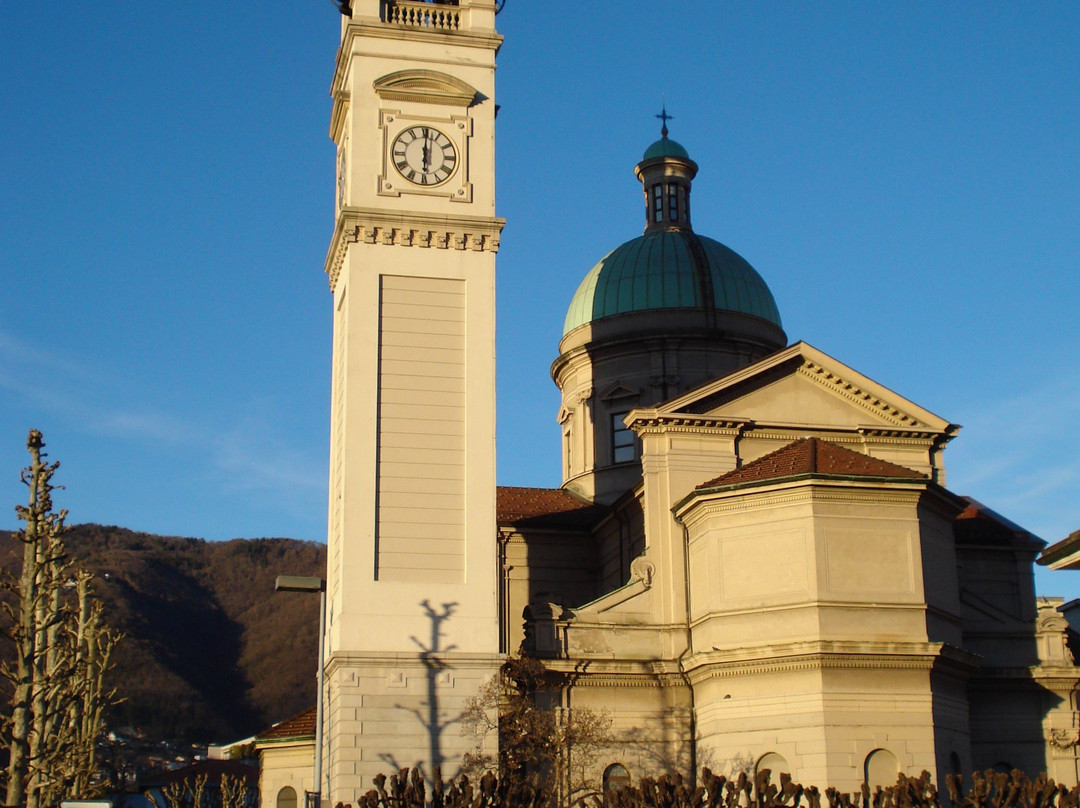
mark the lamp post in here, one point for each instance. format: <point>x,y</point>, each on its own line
<point>304,583</point>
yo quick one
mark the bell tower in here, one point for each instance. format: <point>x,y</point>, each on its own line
<point>411,623</point>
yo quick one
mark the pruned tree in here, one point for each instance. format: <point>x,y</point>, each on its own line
<point>546,751</point>
<point>62,653</point>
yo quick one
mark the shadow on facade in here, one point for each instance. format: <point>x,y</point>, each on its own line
<point>429,713</point>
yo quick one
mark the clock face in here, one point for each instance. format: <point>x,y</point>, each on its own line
<point>424,156</point>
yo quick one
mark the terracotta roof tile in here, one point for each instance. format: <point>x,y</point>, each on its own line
<point>544,507</point>
<point>812,456</point>
<point>301,725</point>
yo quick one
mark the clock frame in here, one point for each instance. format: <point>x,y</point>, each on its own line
<point>409,139</point>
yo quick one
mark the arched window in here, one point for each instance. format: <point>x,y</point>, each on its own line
<point>775,763</point>
<point>881,768</point>
<point>286,798</point>
<point>615,777</point>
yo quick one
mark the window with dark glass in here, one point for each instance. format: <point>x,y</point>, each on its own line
<point>673,203</point>
<point>622,440</point>
<point>658,203</point>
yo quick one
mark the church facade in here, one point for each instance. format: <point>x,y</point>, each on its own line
<point>753,559</point>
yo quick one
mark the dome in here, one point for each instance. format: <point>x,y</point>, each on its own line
<point>665,147</point>
<point>670,269</point>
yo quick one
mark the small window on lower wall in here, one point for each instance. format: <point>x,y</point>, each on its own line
<point>286,798</point>
<point>615,777</point>
<point>881,769</point>
<point>776,764</point>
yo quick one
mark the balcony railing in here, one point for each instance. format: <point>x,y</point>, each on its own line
<point>418,14</point>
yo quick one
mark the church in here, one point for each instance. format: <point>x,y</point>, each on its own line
<point>753,560</point>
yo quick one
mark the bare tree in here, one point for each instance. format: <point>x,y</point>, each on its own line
<point>62,654</point>
<point>545,751</point>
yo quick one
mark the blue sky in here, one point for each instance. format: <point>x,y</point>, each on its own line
<point>906,177</point>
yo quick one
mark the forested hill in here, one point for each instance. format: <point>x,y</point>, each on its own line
<point>211,652</point>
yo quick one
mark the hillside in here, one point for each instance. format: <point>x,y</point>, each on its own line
<point>211,652</point>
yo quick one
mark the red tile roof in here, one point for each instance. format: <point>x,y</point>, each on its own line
<point>544,507</point>
<point>812,456</point>
<point>301,725</point>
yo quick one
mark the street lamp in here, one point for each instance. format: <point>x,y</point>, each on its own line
<point>305,583</point>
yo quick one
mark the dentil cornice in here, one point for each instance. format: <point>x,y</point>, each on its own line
<point>409,229</point>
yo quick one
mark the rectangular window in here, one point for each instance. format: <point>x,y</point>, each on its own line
<point>623,448</point>
<point>658,203</point>
<point>673,203</point>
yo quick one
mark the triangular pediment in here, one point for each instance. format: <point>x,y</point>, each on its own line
<point>618,390</point>
<point>802,386</point>
<point>428,86</point>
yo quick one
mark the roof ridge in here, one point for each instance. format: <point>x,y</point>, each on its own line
<point>812,456</point>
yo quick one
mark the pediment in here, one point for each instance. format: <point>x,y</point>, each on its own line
<point>802,386</point>
<point>428,86</point>
<point>618,390</point>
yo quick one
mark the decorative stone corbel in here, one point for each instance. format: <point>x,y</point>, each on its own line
<point>641,569</point>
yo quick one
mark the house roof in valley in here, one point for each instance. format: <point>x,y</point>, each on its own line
<point>300,727</point>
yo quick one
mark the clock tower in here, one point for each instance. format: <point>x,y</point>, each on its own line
<point>411,622</point>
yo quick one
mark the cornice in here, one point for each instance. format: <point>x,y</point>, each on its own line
<point>807,488</point>
<point>623,680</point>
<point>856,395</point>
<point>408,229</point>
<point>652,421</point>
<point>828,656</point>
<point>620,669</point>
<point>344,662</point>
<point>804,605</point>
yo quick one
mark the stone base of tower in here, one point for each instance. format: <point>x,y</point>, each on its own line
<point>386,712</point>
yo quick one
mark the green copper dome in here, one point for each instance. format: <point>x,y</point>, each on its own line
<point>670,269</point>
<point>665,147</point>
